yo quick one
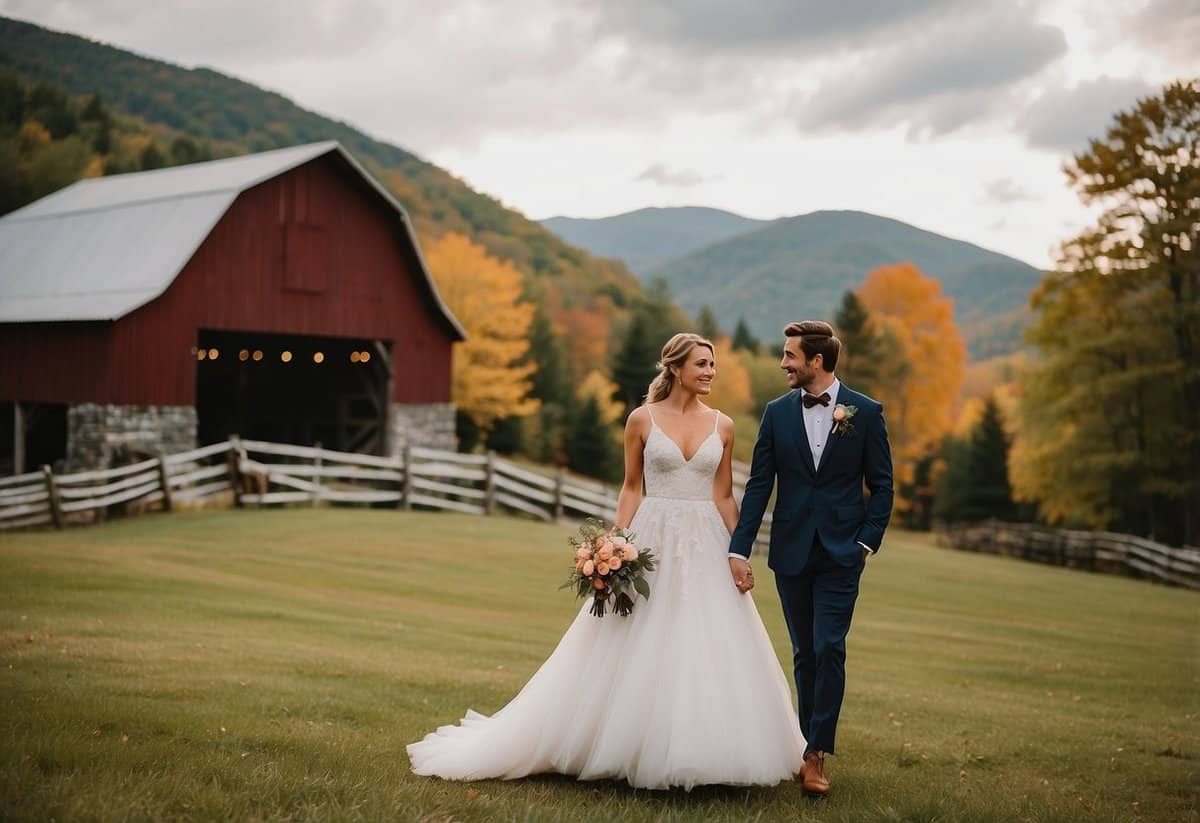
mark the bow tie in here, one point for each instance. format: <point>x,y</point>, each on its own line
<point>811,400</point>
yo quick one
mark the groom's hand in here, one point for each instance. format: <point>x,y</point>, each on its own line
<point>743,575</point>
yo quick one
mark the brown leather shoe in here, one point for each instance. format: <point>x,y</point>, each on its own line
<point>812,774</point>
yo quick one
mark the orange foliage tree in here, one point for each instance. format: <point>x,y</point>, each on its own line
<point>731,390</point>
<point>919,399</point>
<point>484,293</point>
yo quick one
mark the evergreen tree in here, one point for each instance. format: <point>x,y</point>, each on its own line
<point>12,103</point>
<point>706,324</point>
<point>863,355</point>
<point>151,158</point>
<point>975,485</point>
<point>551,383</point>
<point>590,446</point>
<point>633,367</point>
<point>743,339</point>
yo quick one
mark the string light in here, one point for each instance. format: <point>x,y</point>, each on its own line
<point>201,354</point>
<point>319,357</point>
<point>257,355</point>
<point>243,355</point>
<point>353,357</point>
<point>365,357</point>
<point>212,354</point>
<point>286,357</point>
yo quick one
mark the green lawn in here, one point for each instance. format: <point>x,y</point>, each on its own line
<point>272,665</point>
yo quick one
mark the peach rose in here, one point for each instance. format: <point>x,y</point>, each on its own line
<point>615,562</point>
<point>605,552</point>
<point>588,568</point>
<point>839,414</point>
<point>602,567</point>
<point>618,542</point>
<point>629,553</point>
<point>598,583</point>
<point>583,553</point>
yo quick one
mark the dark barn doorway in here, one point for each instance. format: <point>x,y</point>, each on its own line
<point>293,389</point>
<point>35,435</point>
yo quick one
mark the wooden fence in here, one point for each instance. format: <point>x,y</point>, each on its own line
<point>258,473</point>
<point>1094,551</point>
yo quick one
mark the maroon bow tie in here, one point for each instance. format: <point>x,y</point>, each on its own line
<point>811,400</point>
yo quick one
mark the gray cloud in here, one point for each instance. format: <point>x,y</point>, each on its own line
<point>1006,190</point>
<point>663,175</point>
<point>1067,118</point>
<point>956,72</point>
<point>1171,27</point>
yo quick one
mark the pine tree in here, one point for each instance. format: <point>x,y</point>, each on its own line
<point>743,339</point>
<point>975,485</point>
<point>706,324</point>
<point>860,363</point>
<point>633,367</point>
<point>589,445</point>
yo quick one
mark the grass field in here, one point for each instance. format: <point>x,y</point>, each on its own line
<point>272,665</point>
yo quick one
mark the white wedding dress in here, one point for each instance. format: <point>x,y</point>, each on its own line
<point>685,691</point>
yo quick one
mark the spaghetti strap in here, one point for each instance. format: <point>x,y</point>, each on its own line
<point>717,422</point>
<point>652,423</point>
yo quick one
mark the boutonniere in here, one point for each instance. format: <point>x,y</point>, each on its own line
<point>842,415</point>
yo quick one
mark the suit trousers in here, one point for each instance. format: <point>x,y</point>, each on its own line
<point>818,604</point>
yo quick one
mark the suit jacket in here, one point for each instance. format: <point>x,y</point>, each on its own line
<point>825,501</point>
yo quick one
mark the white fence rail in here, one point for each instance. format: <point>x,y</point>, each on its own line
<point>259,473</point>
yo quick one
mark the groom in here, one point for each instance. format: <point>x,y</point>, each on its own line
<point>823,442</point>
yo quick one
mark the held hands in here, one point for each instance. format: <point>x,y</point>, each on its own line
<point>743,575</point>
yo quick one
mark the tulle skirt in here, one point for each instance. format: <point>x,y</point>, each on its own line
<point>685,691</point>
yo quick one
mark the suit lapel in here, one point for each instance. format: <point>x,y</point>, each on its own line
<point>845,397</point>
<point>801,434</point>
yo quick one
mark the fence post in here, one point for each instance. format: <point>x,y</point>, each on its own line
<point>316,493</point>
<point>165,479</point>
<point>560,485</point>
<point>56,511</point>
<point>232,458</point>
<point>489,483</point>
<point>406,499</point>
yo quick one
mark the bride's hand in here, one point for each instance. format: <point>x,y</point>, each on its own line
<point>743,575</point>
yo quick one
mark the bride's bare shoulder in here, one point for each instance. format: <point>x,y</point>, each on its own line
<point>639,417</point>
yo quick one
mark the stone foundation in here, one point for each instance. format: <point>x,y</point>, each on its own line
<point>103,436</point>
<point>430,425</point>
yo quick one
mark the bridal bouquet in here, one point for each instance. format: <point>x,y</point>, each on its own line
<point>609,566</point>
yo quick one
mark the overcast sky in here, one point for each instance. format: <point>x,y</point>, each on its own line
<point>953,116</point>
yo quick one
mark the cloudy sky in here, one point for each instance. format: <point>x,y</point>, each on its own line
<point>953,116</point>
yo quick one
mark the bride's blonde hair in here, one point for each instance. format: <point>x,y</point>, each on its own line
<point>674,355</point>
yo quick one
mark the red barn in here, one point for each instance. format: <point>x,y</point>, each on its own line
<point>278,296</point>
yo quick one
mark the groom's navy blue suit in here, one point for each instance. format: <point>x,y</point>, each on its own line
<point>819,527</point>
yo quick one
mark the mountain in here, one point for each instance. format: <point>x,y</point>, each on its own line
<point>648,237</point>
<point>161,104</point>
<point>799,267</point>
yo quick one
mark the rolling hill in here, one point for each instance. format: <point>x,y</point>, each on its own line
<point>646,238</point>
<point>800,266</point>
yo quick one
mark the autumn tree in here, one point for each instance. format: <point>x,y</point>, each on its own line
<point>731,388</point>
<point>490,379</point>
<point>593,445</point>
<point>1109,430</point>
<point>868,351</point>
<point>920,389</point>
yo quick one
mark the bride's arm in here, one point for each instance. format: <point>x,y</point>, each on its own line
<point>723,481</point>
<point>631,490</point>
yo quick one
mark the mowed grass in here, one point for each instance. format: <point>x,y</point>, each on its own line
<point>272,665</point>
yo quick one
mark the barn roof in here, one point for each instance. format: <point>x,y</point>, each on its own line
<point>100,248</point>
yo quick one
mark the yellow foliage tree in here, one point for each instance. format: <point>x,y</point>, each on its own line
<point>484,293</point>
<point>604,391</point>
<point>919,399</point>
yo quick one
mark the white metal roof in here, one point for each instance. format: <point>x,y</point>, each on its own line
<point>100,248</point>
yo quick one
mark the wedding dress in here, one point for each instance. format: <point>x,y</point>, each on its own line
<point>685,691</point>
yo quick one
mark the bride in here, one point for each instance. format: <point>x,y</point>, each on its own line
<point>685,691</point>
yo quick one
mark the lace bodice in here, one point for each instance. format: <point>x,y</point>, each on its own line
<point>666,472</point>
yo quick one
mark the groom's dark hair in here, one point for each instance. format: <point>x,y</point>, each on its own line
<point>816,337</point>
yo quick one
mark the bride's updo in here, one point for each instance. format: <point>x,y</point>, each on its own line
<point>674,355</point>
